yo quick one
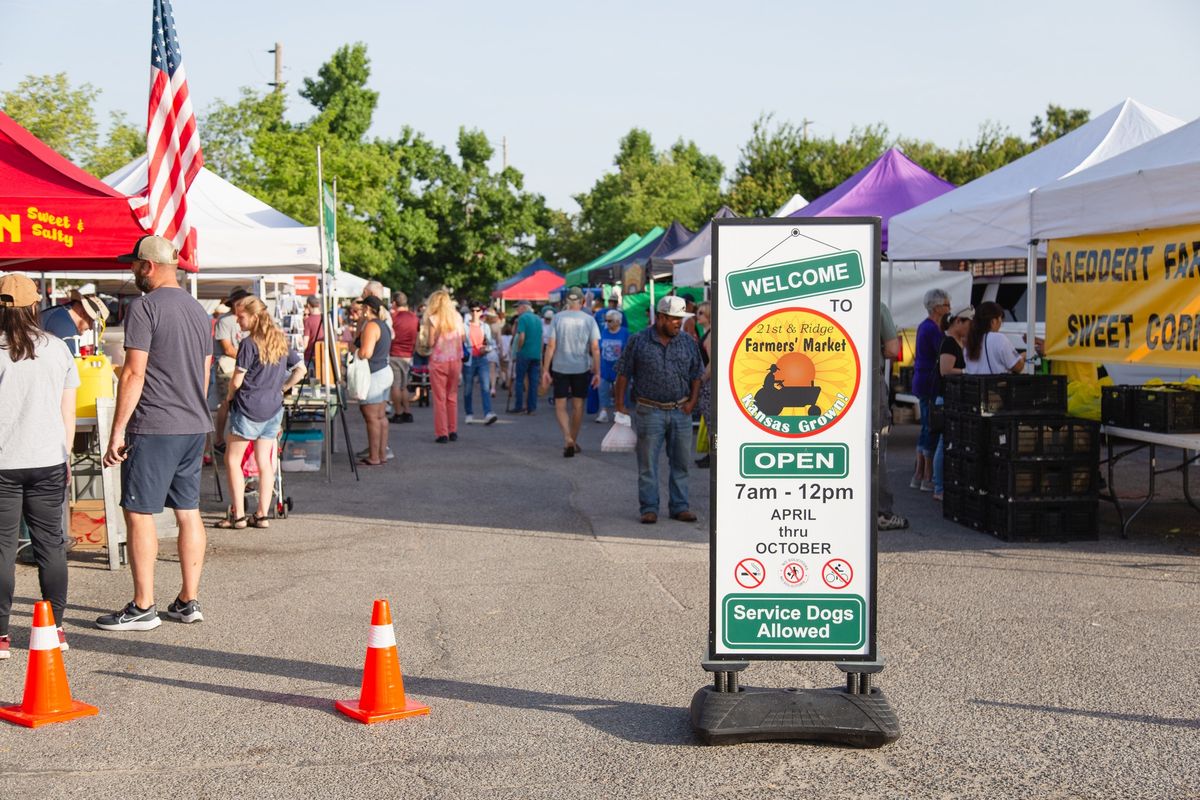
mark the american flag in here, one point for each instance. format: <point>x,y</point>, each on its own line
<point>172,143</point>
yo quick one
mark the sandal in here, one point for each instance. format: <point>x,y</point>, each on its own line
<point>259,521</point>
<point>232,523</point>
<point>366,463</point>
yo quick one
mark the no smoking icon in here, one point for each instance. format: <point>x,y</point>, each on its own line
<point>837,573</point>
<point>749,573</point>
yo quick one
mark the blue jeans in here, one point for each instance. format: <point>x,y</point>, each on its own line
<point>478,367</point>
<point>939,461</point>
<point>606,394</point>
<point>527,369</point>
<point>656,426</point>
<point>924,445</point>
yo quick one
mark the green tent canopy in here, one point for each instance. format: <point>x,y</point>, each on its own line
<point>637,306</point>
<point>579,277</point>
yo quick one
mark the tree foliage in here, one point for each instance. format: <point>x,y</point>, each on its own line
<point>55,112</point>
<point>649,188</point>
<point>409,213</point>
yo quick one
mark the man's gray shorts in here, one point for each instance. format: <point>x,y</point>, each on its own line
<point>401,369</point>
<point>162,469</point>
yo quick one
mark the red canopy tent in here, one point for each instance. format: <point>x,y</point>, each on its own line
<point>540,280</point>
<point>55,217</point>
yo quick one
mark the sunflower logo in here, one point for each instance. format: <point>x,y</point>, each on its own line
<point>794,372</point>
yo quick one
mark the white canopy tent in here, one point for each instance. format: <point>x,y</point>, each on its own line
<point>992,216</point>
<point>1151,186</point>
<point>237,232</point>
<point>989,217</point>
<point>794,203</point>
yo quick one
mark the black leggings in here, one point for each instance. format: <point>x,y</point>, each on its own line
<point>37,495</point>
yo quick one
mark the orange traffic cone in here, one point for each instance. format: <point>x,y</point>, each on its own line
<point>382,695</point>
<point>47,696</point>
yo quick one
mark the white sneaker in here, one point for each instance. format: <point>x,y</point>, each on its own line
<point>470,420</point>
<point>390,454</point>
<point>489,419</point>
<point>602,416</point>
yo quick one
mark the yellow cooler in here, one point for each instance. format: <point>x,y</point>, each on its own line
<point>95,380</point>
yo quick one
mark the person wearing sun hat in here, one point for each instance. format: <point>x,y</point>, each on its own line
<point>38,379</point>
<point>666,370</point>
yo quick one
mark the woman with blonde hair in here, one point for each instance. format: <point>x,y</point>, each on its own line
<point>442,328</point>
<point>264,369</point>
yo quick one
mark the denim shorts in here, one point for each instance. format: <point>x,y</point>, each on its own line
<point>243,427</point>
<point>381,387</point>
<point>162,469</point>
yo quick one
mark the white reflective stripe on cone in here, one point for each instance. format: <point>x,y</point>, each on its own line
<point>44,638</point>
<point>381,636</point>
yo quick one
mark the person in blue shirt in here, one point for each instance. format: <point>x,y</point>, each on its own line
<point>613,339</point>
<point>69,321</point>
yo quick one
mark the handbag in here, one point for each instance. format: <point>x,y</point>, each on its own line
<point>702,437</point>
<point>358,377</point>
<point>424,348</point>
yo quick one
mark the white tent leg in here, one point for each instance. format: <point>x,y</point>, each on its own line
<point>195,287</point>
<point>1031,305</point>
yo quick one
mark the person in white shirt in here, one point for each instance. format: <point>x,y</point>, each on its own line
<point>989,352</point>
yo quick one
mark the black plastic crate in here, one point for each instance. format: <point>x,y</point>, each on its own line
<point>952,503</point>
<point>1043,437</point>
<point>974,511</point>
<point>1166,409</point>
<point>1024,480</point>
<point>1044,520</point>
<point>1116,405</point>
<point>904,380</point>
<point>965,471</point>
<point>1006,394</point>
<point>966,433</point>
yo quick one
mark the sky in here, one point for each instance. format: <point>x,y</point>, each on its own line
<point>564,81</point>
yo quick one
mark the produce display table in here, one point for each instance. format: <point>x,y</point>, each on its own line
<point>1133,441</point>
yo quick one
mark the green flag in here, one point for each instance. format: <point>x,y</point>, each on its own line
<point>330,216</point>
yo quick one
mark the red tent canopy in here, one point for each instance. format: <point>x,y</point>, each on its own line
<point>53,215</point>
<point>537,286</point>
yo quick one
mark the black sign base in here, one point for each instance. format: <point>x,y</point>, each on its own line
<point>752,714</point>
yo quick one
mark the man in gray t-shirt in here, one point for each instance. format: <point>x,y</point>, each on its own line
<point>158,431</point>
<point>572,363</point>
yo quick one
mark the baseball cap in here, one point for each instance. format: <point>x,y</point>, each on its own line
<point>574,293</point>
<point>966,312</point>
<point>18,291</point>
<point>674,306</point>
<point>373,302</point>
<point>152,248</point>
<point>236,295</point>
<point>548,313</point>
<point>94,307</point>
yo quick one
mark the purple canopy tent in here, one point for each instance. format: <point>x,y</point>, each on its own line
<point>889,185</point>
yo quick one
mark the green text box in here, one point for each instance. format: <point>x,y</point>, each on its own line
<point>795,461</point>
<point>776,283</point>
<point>794,621</point>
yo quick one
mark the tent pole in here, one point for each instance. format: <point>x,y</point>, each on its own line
<point>195,287</point>
<point>891,282</point>
<point>651,302</point>
<point>1031,305</point>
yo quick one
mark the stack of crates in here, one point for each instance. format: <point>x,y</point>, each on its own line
<point>1016,465</point>
<point>1170,408</point>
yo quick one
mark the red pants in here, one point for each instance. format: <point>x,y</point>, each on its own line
<point>444,377</point>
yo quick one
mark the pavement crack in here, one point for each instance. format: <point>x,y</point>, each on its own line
<point>666,591</point>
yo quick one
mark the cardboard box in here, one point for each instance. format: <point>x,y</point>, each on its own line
<point>88,527</point>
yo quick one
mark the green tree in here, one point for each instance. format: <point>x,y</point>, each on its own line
<point>1058,121</point>
<point>55,112</point>
<point>340,92</point>
<point>124,143</point>
<point>649,188</point>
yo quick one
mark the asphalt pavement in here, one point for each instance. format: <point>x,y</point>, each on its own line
<point>558,643</point>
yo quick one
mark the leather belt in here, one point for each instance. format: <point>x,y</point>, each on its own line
<point>642,401</point>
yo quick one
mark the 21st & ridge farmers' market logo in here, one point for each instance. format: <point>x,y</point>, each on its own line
<point>794,372</point>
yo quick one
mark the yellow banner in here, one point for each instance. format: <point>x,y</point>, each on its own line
<point>1125,297</point>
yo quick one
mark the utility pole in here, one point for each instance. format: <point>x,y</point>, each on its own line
<point>503,153</point>
<point>804,123</point>
<point>278,51</point>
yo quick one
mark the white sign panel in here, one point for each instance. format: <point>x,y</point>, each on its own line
<point>795,371</point>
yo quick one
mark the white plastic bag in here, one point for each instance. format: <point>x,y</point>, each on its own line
<point>620,438</point>
<point>358,377</point>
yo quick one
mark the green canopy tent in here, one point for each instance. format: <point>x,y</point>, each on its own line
<point>602,272</point>
<point>578,276</point>
<point>637,306</point>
